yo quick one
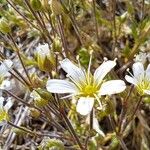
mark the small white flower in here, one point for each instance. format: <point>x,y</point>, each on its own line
<point>140,78</point>
<point>4,109</point>
<point>85,85</point>
<point>43,50</point>
<point>141,57</point>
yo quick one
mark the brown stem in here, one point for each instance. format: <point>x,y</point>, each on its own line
<point>19,56</point>
<point>73,133</point>
<point>96,25</point>
<point>124,108</point>
<point>62,34</point>
<point>36,17</point>
<point>122,144</point>
<point>134,112</point>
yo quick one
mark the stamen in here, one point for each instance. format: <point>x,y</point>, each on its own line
<point>100,104</point>
<point>89,66</point>
<point>79,64</point>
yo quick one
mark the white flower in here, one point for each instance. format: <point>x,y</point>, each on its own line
<point>140,78</point>
<point>4,109</point>
<point>85,85</point>
<point>141,57</point>
<point>43,50</point>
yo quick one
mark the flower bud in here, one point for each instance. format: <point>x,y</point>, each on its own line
<point>56,45</point>
<point>45,58</point>
<point>34,113</point>
<point>51,144</point>
<point>38,100</point>
<point>56,7</point>
<point>45,4</point>
<point>36,81</point>
<point>44,94</point>
<point>4,26</point>
<point>36,4</point>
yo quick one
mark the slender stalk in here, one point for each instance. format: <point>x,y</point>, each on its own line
<point>19,56</point>
<point>143,9</point>
<point>62,34</point>
<point>73,21</point>
<point>44,25</point>
<point>134,112</point>
<point>124,108</point>
<point>36,17</point>
<point>122,144</point>
<point>72,130</point>
<point>114,26</point>
<point>31,132</point>
<point>95,20</point>
<point>21,14</point>
<point>21,76</point>
<point>20,80</point>
<point>21,100</point>
<point>91,120</point>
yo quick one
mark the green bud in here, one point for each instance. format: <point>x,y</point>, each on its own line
<point>38,100</point>
<point>45,4</point>
<point>56,45</point>
<point>4,26</point>
<point>34,113</point>
<point>56,7</point>
<point>36,4</point>
<point>51,144</point>
<point>44,94</point>
<point>36,81</point>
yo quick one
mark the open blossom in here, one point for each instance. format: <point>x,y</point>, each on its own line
<point>84,85</point>
<point>141,57</point>
<point>4,109</point>
<point>140,78</point>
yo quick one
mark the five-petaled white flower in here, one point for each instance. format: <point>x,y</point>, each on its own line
<point>4,109</point>
<point>86,86</point>
<point>140,78</point>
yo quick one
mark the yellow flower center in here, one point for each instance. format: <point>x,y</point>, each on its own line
<point>143,85</point>
<point>3,115</point>
<point>89,90</point>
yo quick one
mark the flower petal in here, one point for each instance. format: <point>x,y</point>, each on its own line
<point>138,69</point>
<point>5,66</point>
<point>1,102</point>
<point>73,71</point>
<point>61,86</point>
<point>130,79</point>
<point>112,87</point>
<point>102,70</point>
<point>147,92</point>
<point>148,72</point>
<point>85,105</point>
<point>96,127</point>
<point>8,105</point>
